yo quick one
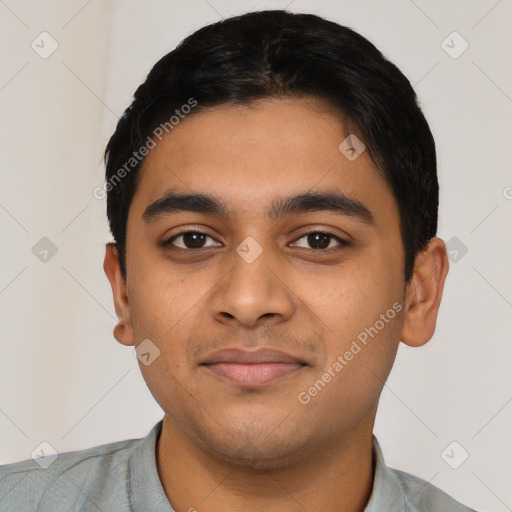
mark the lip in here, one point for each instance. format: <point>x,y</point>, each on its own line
<point>255,368</point>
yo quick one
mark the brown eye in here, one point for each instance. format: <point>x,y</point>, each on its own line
<point>189,240</point>
<point>318,240</point>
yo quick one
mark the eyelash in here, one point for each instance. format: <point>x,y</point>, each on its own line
<point>168,243</point>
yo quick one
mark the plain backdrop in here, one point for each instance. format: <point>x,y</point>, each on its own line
<point>65,380</point>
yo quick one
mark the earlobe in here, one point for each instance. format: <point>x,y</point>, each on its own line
<point>123,331</point>
<point>424,292</point>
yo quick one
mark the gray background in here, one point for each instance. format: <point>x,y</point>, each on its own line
<point>63,377</point>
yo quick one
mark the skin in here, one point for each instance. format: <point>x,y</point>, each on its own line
<point>222,446</point>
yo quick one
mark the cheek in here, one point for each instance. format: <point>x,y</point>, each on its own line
<point>161,302</point>
<point>361,303</point>
<point>353,296</point>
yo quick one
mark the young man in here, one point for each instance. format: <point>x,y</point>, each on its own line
<point>273,197</point>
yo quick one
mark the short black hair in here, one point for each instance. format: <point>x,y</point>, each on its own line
<point>278,54</point>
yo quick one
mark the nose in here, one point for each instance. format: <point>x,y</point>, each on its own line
<point>253,293</point>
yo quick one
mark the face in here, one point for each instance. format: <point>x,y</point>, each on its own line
<point>278,320</point>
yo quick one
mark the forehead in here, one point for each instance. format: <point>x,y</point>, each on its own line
<point>250,155</point>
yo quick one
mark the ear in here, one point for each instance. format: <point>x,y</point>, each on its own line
<point>423,294</point>
<point>123,331</point>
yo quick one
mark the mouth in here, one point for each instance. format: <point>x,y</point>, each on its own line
<point>252,369</point>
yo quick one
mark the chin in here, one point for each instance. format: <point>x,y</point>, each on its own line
<point>258,445</point>
<point>275,456</point>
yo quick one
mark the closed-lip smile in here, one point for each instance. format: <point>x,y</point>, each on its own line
<point>255,368</point>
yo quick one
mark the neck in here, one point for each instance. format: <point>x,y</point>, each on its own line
<point>335,478</point>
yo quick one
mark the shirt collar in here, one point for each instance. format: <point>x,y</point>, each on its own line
<point>387,494</point>
<point>146,491</point>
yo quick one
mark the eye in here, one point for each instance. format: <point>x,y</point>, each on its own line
<point>320,240</point>
<point>317,240</point>
<point>189,240</point>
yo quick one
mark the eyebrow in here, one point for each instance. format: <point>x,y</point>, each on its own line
<point>328,201</point>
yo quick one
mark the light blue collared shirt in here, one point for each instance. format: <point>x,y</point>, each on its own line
<point>123,477</point>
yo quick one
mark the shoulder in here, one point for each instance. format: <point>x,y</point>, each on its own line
<point>397,490</point>
<point>60,483</point>
<point>421,496</point>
